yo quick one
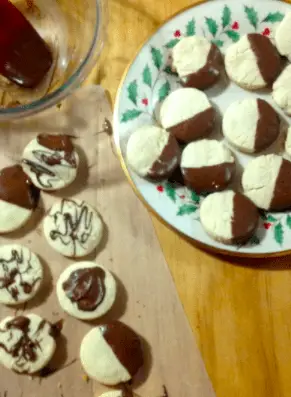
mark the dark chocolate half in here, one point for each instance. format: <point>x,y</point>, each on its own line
<point>282,192</point>
<point>268,127</point>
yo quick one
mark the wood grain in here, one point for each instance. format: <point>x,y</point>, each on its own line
<point>239,310</point>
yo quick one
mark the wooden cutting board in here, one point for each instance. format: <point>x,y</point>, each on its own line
<point>147,299</point>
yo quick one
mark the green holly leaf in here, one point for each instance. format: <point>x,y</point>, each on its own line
<point>234,36</point>
<point>271,219</point>
<point>130,114</point>
<point>274,17</point>
<point>172,43</point>
<point>288,221</point>
<point>218,43</point>
<point>170,191</point>
<point>164,91</point>
<point>279,233</point>
<point>254,240</point>
<point>252,16</point>
<point>212,26</point>
<point>191,28</point>
<point>187,209</point>
<point>147,76</point>
<point>169,71</point>
<point>226,16</point>
<point>157,57</point>
<point>132,91</point>
<point>195,197</point>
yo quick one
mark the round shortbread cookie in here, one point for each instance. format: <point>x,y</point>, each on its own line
<point>283,37</point>
<point>21,274</point>
<point>229,217</point>
<point>188,114</point>
<point>251,125</point>
<point>266,181</point>
<point>18,198</point>
<point>27,343</point>
<point>207,166</point>
<point>50,161</point>
<point>253,62</point>
<point>197,61</point>
<point>153,152</point>
<point>111,353</point>
<point>73,228</point>
<point>86,290</point>
<point>282,90</point>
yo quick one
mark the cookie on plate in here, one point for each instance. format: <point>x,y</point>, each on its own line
<point>27,343</point>
<point>188,114</point>
<point>253,62</point>
<point>18,198</point>
<point>50,161</point>
<point>197,61</point>
<point>152,152</point>
<point>21,274</point>
<point>111,353</point>
<point>229,217</point>
<point>73,228</point>
<point>282,90</point>
<point>283,37</point>
<point>251,125</point>
<point>266,181</point>
<point>86,290</point>
<point>207,166</point>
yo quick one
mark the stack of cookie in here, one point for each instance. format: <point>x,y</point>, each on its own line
<point>180,147</point>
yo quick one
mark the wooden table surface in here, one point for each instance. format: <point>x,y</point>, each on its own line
<point>239,310</point>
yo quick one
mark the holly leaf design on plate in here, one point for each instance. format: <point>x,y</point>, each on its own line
<point>274,17</point>
<point>195,197</point>
<point>234,36</point>
<point>132,91</point>
<point>172,43</point>
<point>226,16</point>
<point>279,233</point>
<point>169,71</point>
<point>212,26</point>
<point>130,114</point>
<point>288,221</point>
<point>187,209</point>
<point>271,218</point>
<point>164,91</point>
<point>218,43</point>
<point>252,16</point>
<point>170,191</point>
<point>147,76</point>
<point>191,28</point>
<point>157,57</point>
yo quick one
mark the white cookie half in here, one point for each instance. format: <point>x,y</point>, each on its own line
<point>21,274</point>
<point>113,393</point>
<point>86,290</point>
<point>12,217</point>
<point>73,228</point>
<point>283,37</point>
<point>282,90</point>
<point>26,343</point>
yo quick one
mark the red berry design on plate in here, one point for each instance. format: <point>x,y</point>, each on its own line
<point>177,33</point>
<point>182,197</point>
<point>266,32</point>
<point>267,226</point>
<point>235,26</point>
<point>145,101</point>
<point>160,188</point>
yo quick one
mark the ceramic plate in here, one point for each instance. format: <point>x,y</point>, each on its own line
<point>149,80</point>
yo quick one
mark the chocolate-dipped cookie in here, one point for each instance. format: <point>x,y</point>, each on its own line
<point>18,198</point>
<point>266,181</point>
<point>282,36</point>
<point>251,125</point>
<point>253,62</point>
<point>21,274</point>
<point>27,343</point>
<point>111,353</point>
<point>229,217</point>
<point>207,166</point>
<point>86,290</point>
<point>50,161</point>
<point>152,152</point>
<point>197,61</point>
<point>282,90</point>
<point>188,115</point>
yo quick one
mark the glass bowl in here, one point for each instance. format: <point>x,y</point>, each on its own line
<point>74,30</point>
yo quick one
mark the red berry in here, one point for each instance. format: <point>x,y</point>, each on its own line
<point>266,32</point>
<point>267,225</point>
<point>235,26</point>
<point>160,188</point>
<point>177,33</point>
<point>182,197</point>
<point>145,101</point>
